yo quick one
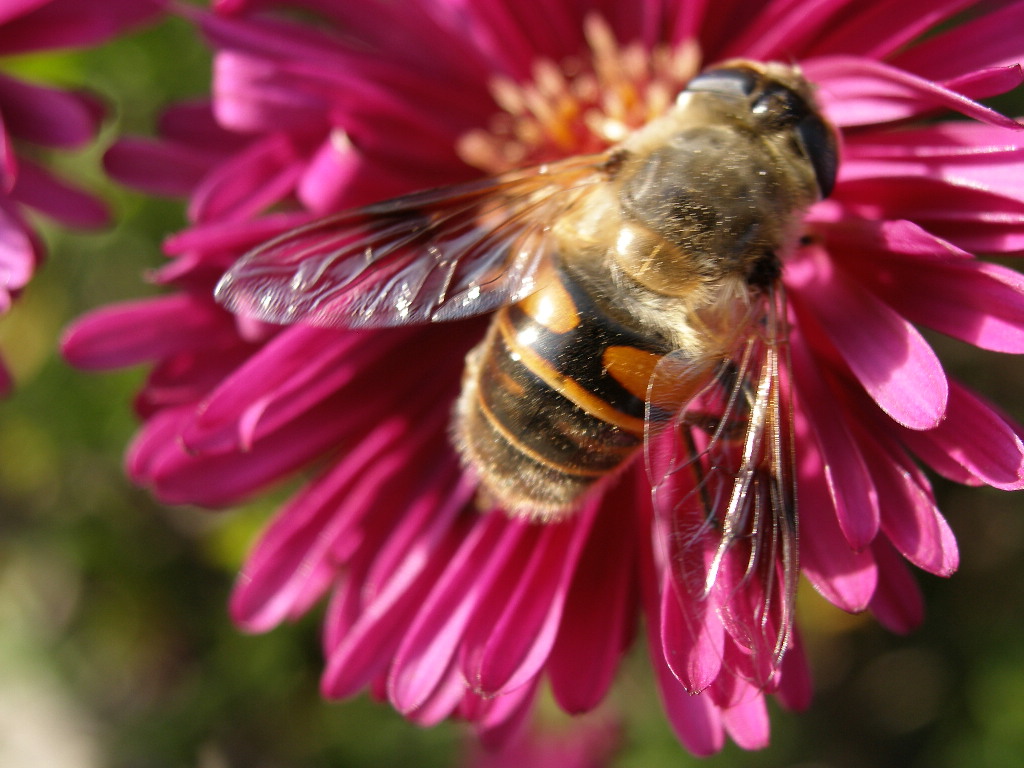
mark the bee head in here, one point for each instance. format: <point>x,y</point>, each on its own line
<point>779,99</point>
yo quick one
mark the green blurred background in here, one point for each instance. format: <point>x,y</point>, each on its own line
<point>115,644</point>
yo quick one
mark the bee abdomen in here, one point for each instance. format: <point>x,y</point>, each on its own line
<point>553,400</point>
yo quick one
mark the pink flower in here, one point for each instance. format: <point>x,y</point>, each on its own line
<point>588,744</point>
<point>445,611</point>
<point>33,115</point>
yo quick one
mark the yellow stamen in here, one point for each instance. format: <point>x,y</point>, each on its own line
<point>582,105</point>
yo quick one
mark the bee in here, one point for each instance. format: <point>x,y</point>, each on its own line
<point>636,299</point>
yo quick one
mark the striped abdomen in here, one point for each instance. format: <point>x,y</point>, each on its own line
<point>554,399</point>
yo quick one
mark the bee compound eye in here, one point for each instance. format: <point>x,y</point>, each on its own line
<point>820,145</point>
<point>779,105</point>
<point>734,81</point>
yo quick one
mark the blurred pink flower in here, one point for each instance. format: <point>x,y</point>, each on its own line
<point>443,611</point>
<point>33,115</point>
<point>586,744</point>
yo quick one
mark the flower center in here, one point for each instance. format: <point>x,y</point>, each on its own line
<point>580,106</point>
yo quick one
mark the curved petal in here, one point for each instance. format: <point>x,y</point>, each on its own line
<point>973,444</point>
<point>599,614</point>
<point>846,577</point>
<point>20,251</point>
<point>977,302</point>
<point>423,541</point>
<point>910,518</point>
<point>858,92</point>
<point>432,640</point>
<point>747,723</point>
<point>48,116</point>
<point>782,30</point>
<point>71,23</point>
<point>135,332</point>
<point>514,629</point>
<point>843,467</point>
<point>38,189</point>
<point>975,44</point>
<point>155,167</point>
<point>880,28</point>
<point>889,357</point>
<point>692,637</point>
<point>897,602</point>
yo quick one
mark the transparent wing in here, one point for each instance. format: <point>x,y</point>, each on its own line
<point>442,254</point>
<point>723,479</point>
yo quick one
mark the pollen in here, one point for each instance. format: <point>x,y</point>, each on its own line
<point>580,105</point>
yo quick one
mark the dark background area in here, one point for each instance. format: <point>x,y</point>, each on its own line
<point>115,644</point>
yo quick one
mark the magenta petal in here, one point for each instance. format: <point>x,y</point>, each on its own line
<point>69,23</point>
<point>37,188</point>
<point>288,566</point>
<point>192,124</point>
<point>882,27</point>
<point>136,332</point>
<point>366,648</point>
<point>500,719</point>
<point>949,142</point>
<point>858,92</point>
<point>599,613</point>
<point>47,116</point>
<point>887,354</point>
<point>986,41</point>
<point>985,83</point>
<point>154,167</point>
<point>897,603</point>
<point>972,218</point>
<point>695,719</point>
<point>342,613</point>
<point>931,282</point>
<point>251,95</point>
<point>178,477</point>
<point>513,631</point>
<point>692,636</point>
<point>324,524</point>
<point>12,9</point>
<point>688,19</point>
<point>910,518</point>
<point>443,701</point>
<point>272,38</point>
<point>231,236</point>
<point>846,475</point>
<point>253,180</point>
<point>329,174</point>
<point>185,377</point>
<point>973,444</point>
<point>747,722</point>
<point>8,159</point>
<point>433,638</point>
<point>297,369</point>
<point>150,442</point>
<point>994,168</point>
<point>848,237</point>
<point>781,30</point>
<point>582,744</point>
<point>845,577</point>
<point>975,301</point>
<point>19,251</point>
<point>795,689</point>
